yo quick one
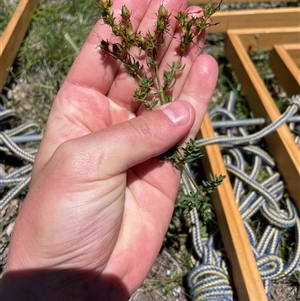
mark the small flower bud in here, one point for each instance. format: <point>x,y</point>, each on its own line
<point>125,12</point>
<point>105,4</point>
<point>140,41</point>
<point>162,12</point>
<point>104,46</point>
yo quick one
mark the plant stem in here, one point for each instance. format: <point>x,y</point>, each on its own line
<point>160,89</point>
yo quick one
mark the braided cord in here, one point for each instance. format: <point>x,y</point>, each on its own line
<point>258,189</point>
<point>13,193</point>
<point>12,147</point>
<point>229,142</point>
<point>16,181</point>
<point>209,278</point>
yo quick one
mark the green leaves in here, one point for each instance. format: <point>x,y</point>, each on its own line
<point>169,77</point>
<point>146,82</point>
<point>179,155</point>
<point>148,44</point>
<point>141,94</point>
<point>191,27</point>
<point>155,86</point>
<point>214,182</point>
<point>199,200</point>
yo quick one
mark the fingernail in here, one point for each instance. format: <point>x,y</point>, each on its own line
<point>178,113</point>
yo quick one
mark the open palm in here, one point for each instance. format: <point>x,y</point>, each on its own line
<point>100,200</point>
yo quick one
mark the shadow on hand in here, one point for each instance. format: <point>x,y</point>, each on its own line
<point>62,285</point>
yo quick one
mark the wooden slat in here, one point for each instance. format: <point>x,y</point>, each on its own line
<point>285,70</point>
<point>255,18</point>
<point>247,281</point>
<point>265,38</point>
<point>13,36</point>
<point>294,52</point>
<point>203,2</point>
<point>281,143</point>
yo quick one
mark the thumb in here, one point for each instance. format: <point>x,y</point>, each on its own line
<point>113,150</point>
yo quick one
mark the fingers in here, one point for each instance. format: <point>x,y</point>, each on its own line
<point>199,87</point>
<point>93,70</point>
<point>196,87</point>
<point>167,54</point>
<point>187,60</point>
<point>125,85</point>
<point>113,150</point>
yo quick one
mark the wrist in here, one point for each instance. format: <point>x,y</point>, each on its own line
<point>57,285</point>
<point>37,285</point>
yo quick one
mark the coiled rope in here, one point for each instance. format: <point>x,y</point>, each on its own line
<point>210,276</point>
<point>17,180</point>
<point>258,190</point>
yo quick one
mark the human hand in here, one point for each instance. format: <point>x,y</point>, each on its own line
<point>100,201</point>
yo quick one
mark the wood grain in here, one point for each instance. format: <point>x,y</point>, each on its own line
<point>246,277</point>
<point>255,18</point>
<point>203,2</point>
<point>285,70</point>
<point>13,35</point>
<point>294,52</point>
<point>255,39</point>
<point>280,143</point>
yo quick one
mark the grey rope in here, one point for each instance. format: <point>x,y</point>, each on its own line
<point>14,181</point>
<point>255,194</point>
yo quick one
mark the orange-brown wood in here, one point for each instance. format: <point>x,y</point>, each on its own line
<point>203,2</point>
<point>294,52</point>
<point>265,38</point>
<point>13,35</point>
<point>246,277</point>
<point>255,18</point>
<point>281,143</point>
<point>285,70</point>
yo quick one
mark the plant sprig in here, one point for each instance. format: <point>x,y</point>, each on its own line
<point>154,90</point>
<point>180,155</point>
<point>151,92</point>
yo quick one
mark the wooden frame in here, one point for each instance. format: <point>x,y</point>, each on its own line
<point>285,29</point>
<point>254,18</point>
<point>203,2</point>
<point>294,51</point>
<point>245,273</point>
<point>13,35</point>
<point>255,39</point>
<point>246,277</point>
<point>281,143</point>
<point>285,68</point>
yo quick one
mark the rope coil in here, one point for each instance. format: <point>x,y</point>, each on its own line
<point>210,276</point>
<point>18,179</point>
<point>258,189</point>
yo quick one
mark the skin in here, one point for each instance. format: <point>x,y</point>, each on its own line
<point>100,201</point>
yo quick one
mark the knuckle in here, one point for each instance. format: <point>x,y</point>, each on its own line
<point>142,128</point>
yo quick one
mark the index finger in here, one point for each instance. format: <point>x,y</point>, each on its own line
<point>93,70</point>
